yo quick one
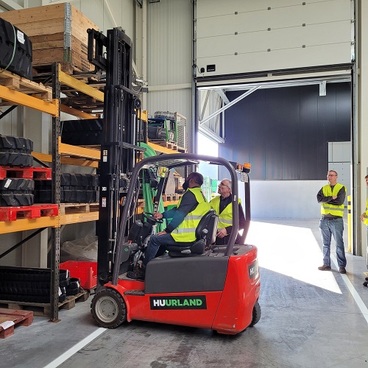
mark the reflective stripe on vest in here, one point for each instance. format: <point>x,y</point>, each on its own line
<point>332,209</point>
<point>366,213</point>
<point>226,216</point>
<point>185,232</point>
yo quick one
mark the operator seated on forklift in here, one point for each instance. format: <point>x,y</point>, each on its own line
<point>222,204</point>
<point>185,217</point>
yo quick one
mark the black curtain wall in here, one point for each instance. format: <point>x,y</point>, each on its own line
<point>284,132</point>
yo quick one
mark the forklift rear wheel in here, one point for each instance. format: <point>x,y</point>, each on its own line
<point>108,308</point>
<point>256,314</point>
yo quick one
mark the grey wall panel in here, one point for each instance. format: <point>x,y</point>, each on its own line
<point>175,101</point>
<point>109,13</point>
<point>284,133</point>
<point>250,36</point>
<point>169,43</point>
<point>169,60</point>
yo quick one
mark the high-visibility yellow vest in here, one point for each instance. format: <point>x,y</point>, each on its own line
<point>185,232</point>
<point>226,216</point>
<point>366,213</point>
<point>328,208</point>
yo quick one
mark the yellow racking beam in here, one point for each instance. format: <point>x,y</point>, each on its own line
<point>78,113</point>
<point>7,227</point>
<point>74,218</point>
<point>143,115</point>
<point>79,162</point>
<point>162,149</point>
<point>20,98</point>
<point>70,150</point>
<point>44,157</point>
<point>80,86</point>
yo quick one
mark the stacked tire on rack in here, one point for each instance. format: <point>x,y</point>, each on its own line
<point>33,284</point>
<point>16,50</point>
<point>16,152</point>
<point>82,132</point>
<point>75,188</point>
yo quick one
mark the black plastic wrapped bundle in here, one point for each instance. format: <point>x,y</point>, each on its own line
<point>15,50</point>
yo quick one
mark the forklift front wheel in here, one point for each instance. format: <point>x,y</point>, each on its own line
<point>108,308</point>
<point>256,314</point>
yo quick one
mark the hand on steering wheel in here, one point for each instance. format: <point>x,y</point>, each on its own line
<point>151,219</point>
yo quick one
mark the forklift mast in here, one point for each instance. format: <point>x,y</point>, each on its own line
<point>112,54</point>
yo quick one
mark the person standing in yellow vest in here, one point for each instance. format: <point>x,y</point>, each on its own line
<point>332,198</point>
<point>185,218</point>
<point>222,204</point>
<point>364,219</point>
<point>364,215</point>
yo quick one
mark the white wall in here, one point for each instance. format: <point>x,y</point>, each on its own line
<point>287,199</point>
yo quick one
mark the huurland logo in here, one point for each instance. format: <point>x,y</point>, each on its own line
<point>253,270</point>
<point>179,302</point>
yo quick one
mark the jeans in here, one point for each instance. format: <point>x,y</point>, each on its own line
<point>157,246</point>
<point>333,227</point>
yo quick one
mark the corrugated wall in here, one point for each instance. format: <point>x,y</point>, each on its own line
<point>169,58</point>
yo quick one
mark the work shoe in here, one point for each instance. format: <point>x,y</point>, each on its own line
<point>324,268</point>
<point>136,274</point>
<point>342,270</point>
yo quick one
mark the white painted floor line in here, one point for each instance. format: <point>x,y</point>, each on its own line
<point>358,300</point>
<point>69,353</point>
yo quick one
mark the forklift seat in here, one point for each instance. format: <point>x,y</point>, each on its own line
<point>205,235</point>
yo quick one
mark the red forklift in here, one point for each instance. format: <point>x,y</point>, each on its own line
<point>201,284</point>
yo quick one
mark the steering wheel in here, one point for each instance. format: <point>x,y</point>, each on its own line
<point>150,218</point>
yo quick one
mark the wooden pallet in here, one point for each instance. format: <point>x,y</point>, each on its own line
<point>36,173</point>
<point>69,208</point>
<point>29,212</point>
<point>170,145</point>
<point>24,85</point>
<point>11,318</point>
<point>44,309</point>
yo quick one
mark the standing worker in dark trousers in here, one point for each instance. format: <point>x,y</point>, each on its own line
<point>332,197</point>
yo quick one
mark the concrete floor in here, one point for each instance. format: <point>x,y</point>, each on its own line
<point>309,319</point>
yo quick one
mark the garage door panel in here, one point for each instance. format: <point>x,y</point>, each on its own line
<point>212,9</point>
<point>313,35</point>
<point>256,39</point>
<point>275,59</point>
<point>278,18</point>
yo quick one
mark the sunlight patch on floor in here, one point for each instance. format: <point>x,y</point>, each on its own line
<point>292,251</point>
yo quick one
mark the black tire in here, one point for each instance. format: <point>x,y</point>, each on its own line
<point>19,185</point>
<point>108,308</point>
<point>15,200</point>
<point>16,159</point>
<point>256,314</point>
<point>8,143</point>
<point>365,283</point>
<point>74,286</point>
